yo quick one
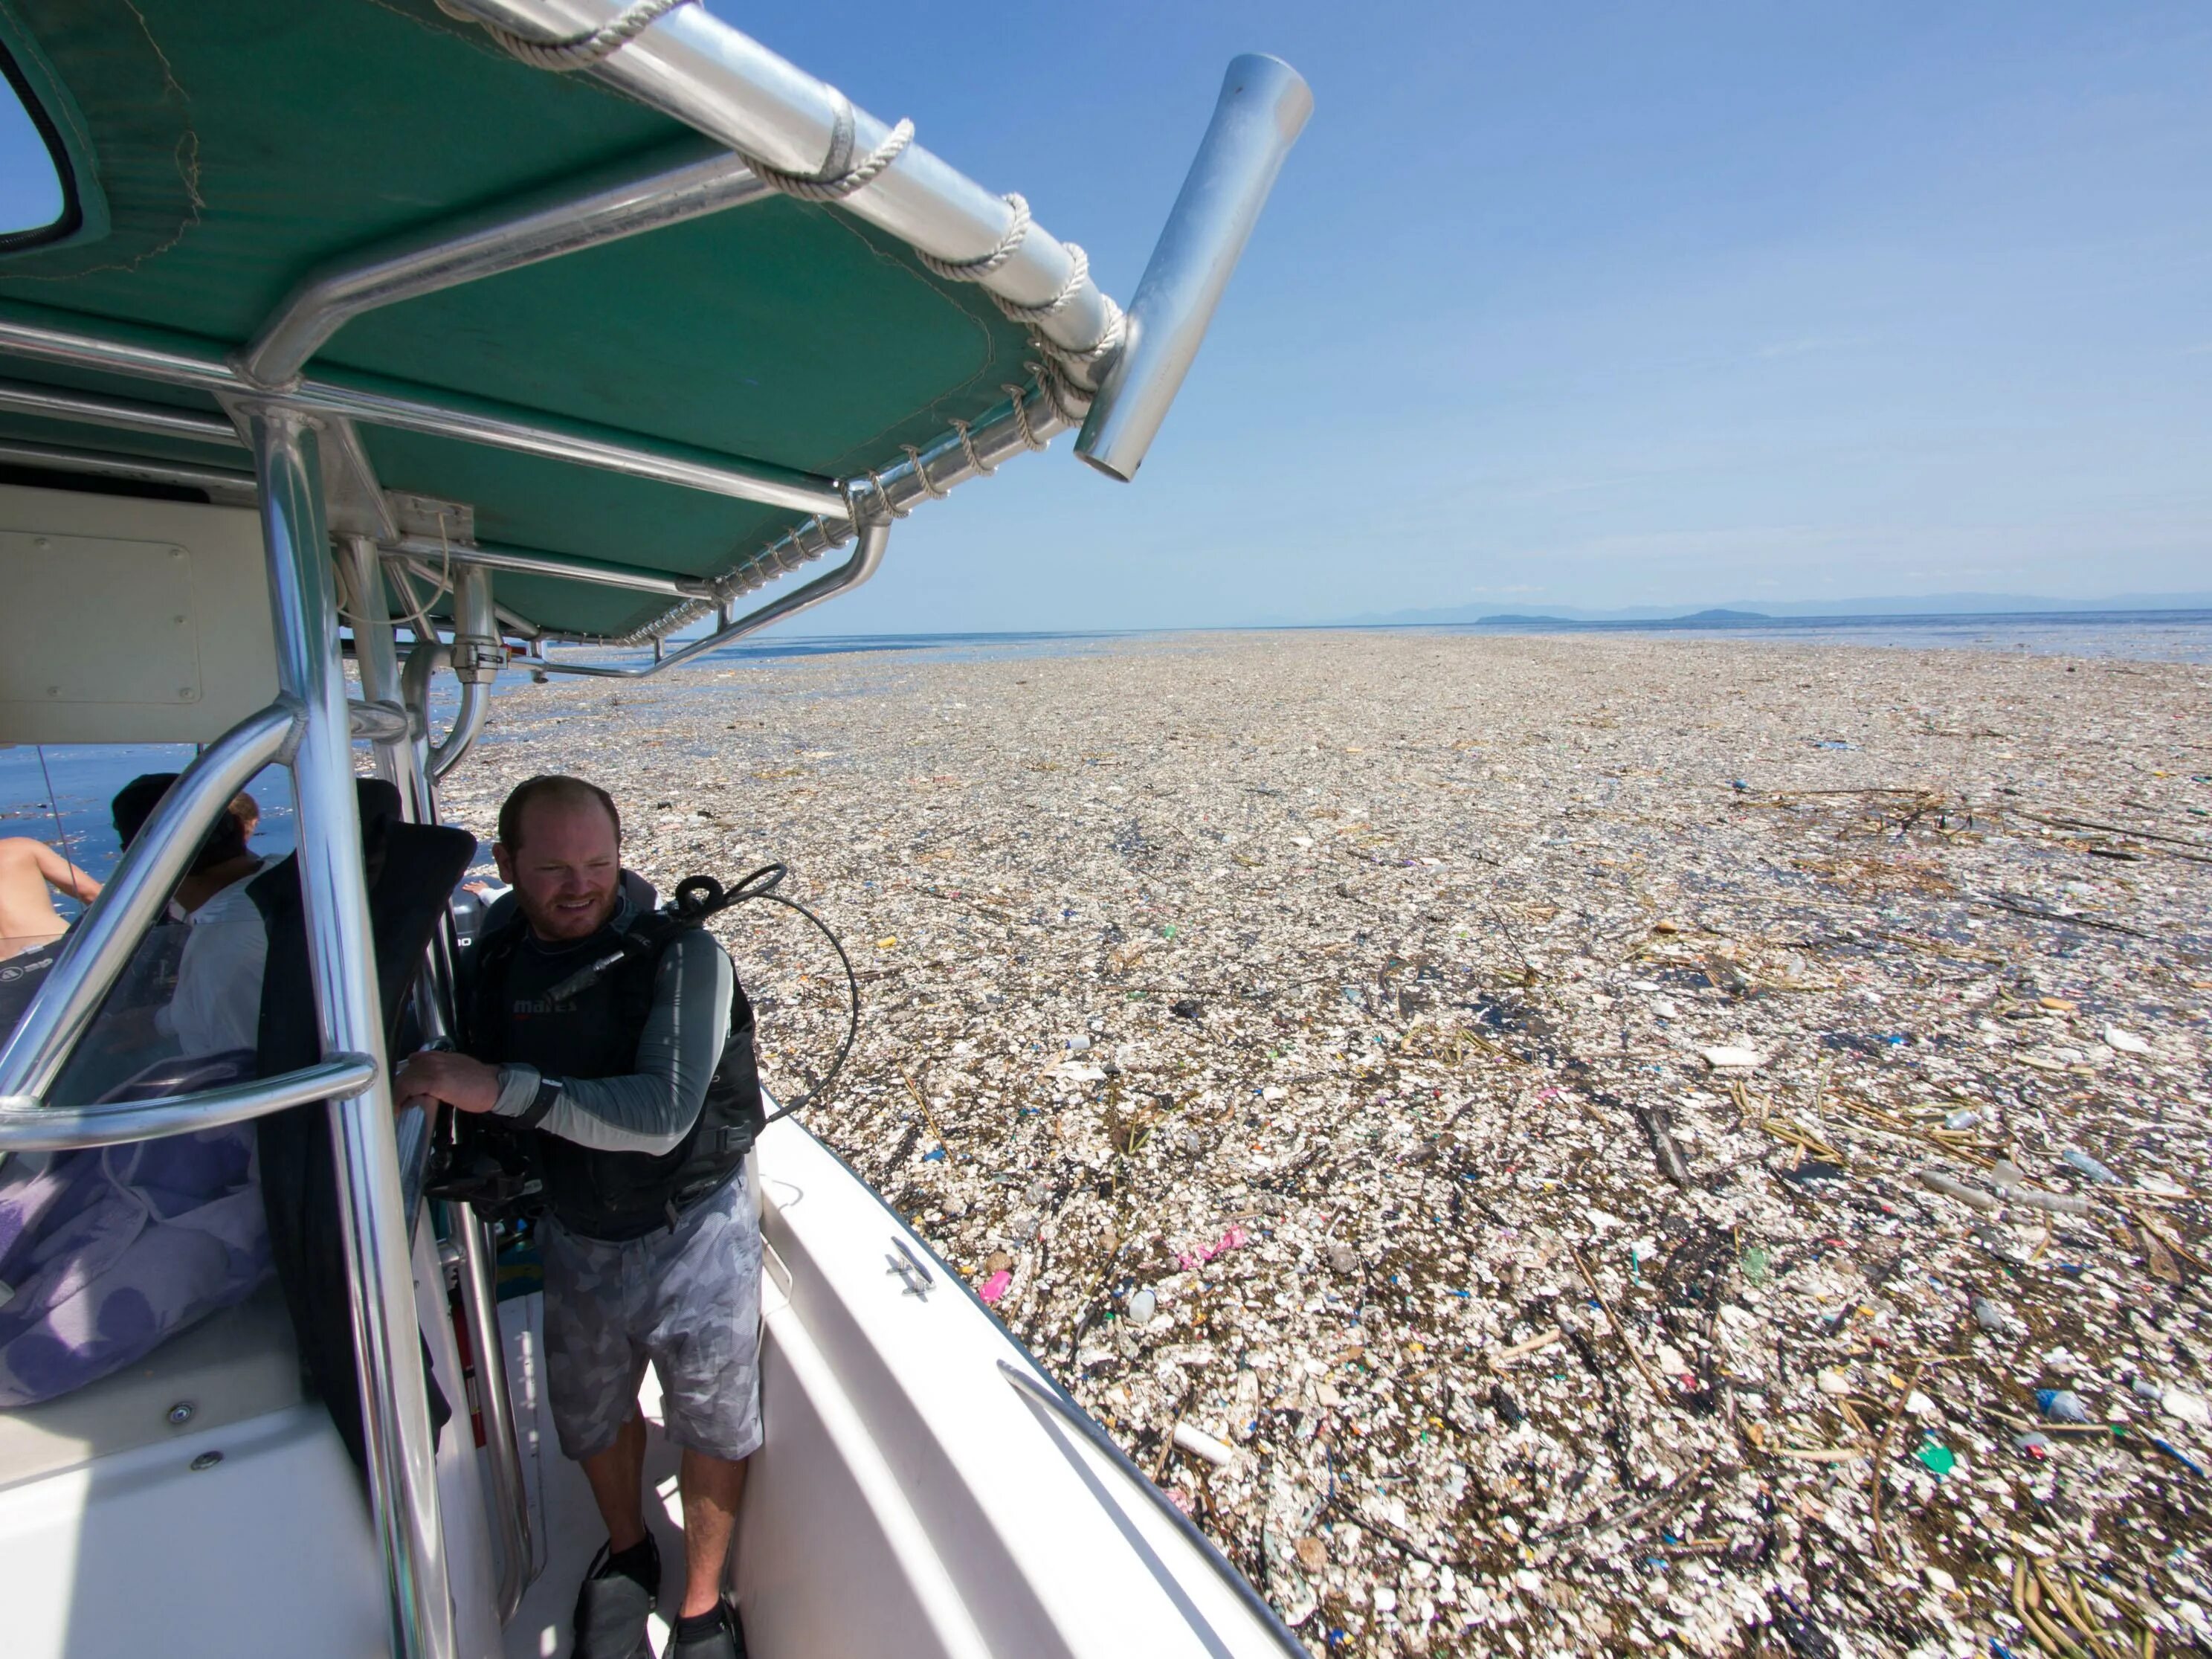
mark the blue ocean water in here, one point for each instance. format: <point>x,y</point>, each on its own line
<point>2147,635</point>
<point>2150,635</point>
<point>72,814</point>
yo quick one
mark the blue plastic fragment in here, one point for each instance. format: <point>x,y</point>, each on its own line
<point>935,1156</point>
<point>2179,1456</point>
<point>2061,1406</point>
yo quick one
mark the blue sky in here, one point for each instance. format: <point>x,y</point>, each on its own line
<point>1598,305</point>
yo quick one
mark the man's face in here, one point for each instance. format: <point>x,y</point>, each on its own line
<point>566,873</point>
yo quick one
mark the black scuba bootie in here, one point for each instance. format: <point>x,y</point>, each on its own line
<point>716,1635</point>
<point>618,1592</point>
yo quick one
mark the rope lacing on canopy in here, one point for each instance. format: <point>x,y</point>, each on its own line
<point>840,176</point>
<point>968,448</point>
<point>572,53</point>
<point>937,491</point>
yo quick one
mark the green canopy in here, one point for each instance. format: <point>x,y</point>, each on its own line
<point>220,153</point>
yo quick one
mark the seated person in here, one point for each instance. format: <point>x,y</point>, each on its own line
<point>217,1003</point>
<point>27,917</point>
<point>105,1252</point>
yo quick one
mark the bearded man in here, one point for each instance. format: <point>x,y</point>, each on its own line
<point>619,1044</point>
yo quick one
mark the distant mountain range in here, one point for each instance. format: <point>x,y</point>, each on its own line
<point>1916,605</point>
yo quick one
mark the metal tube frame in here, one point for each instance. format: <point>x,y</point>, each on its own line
<point>867,558</point>
<point>475,657</point>
<point>230,488</point>
<point>1014,428</point>
<point>404,410</point>
<point>696,68</point>
<point>362,586</point>
<point>28,1124</point>
<point>89,409</point>
<point>675,183</point>
<point>402,1473</point>
<point>528,561</point>
<point>478,1283</point>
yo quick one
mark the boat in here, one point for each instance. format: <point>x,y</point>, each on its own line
<point>381,346</point>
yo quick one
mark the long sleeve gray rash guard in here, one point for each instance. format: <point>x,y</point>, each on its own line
<point>654,1107</point>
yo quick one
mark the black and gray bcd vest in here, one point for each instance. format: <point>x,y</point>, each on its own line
<point>592,1032</point>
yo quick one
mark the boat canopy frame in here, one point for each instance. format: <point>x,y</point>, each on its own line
<point>760,130</point>
<point>85,331</point>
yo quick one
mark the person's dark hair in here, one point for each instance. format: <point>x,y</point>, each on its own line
<point>552,786</point>
<point>134,803</point>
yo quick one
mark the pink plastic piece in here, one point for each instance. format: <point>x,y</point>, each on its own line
<point>996,1286</point>
<point>1236,1236</point>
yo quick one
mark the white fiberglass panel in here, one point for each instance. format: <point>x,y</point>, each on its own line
<point>129,621</point>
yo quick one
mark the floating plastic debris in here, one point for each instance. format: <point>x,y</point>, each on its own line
<point>1235,1238</point>
<point>2081,1164</point>
<point>2061,1406</point>
<point>1541,885</point>
<point>1950,1186</point>
<point>1201,1444</point>
<point>1731,1058</point>
<point>1939,1458</point>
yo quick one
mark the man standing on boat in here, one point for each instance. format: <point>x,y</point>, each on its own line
<point>620,1043</point>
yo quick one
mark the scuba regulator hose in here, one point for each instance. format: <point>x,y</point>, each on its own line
<point>698,898</point>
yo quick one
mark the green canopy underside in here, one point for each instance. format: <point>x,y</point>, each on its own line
<point>224,152</point>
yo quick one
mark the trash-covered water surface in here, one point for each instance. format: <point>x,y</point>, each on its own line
<point>1539,1145</point>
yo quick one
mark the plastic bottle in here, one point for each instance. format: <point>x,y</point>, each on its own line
<point>2081,1164</point>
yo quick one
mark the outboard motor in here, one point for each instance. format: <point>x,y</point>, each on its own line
<point>469,909</point>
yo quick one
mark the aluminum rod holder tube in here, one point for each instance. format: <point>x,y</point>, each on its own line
<point>692,65</point>
<point>88,409</point>
<point>522,431</point>
<point>867,558</point>
<point>676,183</point>
<point>1263,108</point>
<point>403,1485</point>
<point>28,1125</point>
<point>528,561</point>
<point>101,946</point>
<point>510,1498</point>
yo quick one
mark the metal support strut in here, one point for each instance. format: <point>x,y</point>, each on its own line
<point>395,1409</point>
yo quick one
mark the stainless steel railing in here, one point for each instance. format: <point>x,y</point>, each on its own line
<point>26,1125</point>
<point>477,1271</point>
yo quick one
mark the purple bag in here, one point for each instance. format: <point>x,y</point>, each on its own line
<point>107,1252</point>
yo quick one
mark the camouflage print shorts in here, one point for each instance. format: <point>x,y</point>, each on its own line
<point>687,1300</point>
